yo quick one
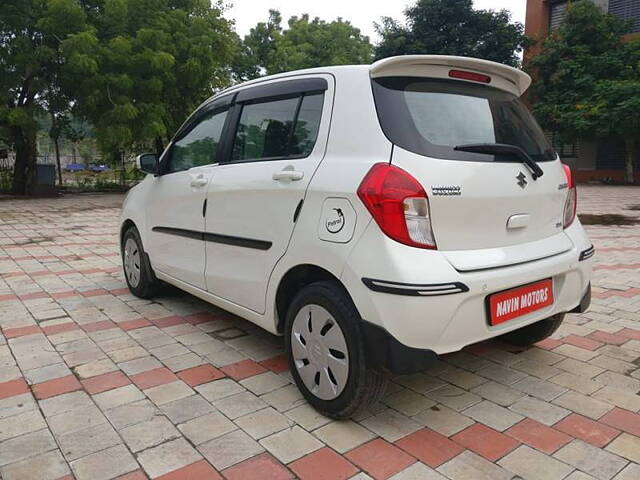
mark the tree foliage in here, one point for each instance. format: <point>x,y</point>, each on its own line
<point>146,65</point>
<point>306,43</point>
<point>32,35</point>
<point>452,27</point>
<point>588,79</point>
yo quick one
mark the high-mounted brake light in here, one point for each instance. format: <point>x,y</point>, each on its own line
<point>474,77</point>
<point>398,204</point>
<point>571,203</point>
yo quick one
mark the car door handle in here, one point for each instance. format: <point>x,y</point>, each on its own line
<point>199,181</point>
<point>288,173</point>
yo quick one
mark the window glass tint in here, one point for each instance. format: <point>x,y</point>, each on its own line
<point>468,119</point>
<point>307,125</point>
<point>199,146</point>
<point>431,117</point>
<point>264,130</point>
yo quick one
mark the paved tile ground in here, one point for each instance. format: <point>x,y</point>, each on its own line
<point>96,384</point>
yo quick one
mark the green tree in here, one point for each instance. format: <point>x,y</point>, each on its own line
<point>306,43</point>
<point>588,79</point>
<point>146,66</point>
<point>452,27</point>
<point>32,35</point>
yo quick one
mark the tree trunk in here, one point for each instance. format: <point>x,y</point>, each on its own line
<point>159,146</point>
<point>24,170</point>
<point>57,149</point>
<point>632,153</point>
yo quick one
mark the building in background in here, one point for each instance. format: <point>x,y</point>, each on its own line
<point>591,160</point>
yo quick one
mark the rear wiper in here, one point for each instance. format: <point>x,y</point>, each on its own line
<point>503,149</point>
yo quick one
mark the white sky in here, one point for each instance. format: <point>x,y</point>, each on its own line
<point>361,13</point>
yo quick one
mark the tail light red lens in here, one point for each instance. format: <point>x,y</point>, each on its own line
<point>398,204</point>
<point>571,203</point>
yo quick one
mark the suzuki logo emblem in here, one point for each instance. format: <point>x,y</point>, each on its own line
<point>522,180</point>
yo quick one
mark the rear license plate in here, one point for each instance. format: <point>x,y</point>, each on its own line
<point>507,305</point>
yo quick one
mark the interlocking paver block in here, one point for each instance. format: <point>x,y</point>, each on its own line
<point>263,423</point>
<point>531,464</point>
<point>595,433</point>
<point>229,449</point>
<point>76,419</point>
<point>429,447</point>
<point>260,466</point>
<point>148,434</point>
<point>391,425</point>
<point>343,436</point>
<point>49,465</point>
<point>25,446</point>
<point>469,466</point>
<point>107,381</point>
<point>105,464</point>
<point>380,459</point>
<point>492,415</point>
<point>541,411</point>
<point>199,375</point>
<point>16,425</point>
<point>626,446</point>
<point>323,464</point>
<point>589,459</point>
<point>200,470</point>
<point>582,383</point>
<point>80,443</point>
<point>538,436</point>
<point>207,427</point>
<point>290,444</point>
<point>624,420</point>
<point>168,457</point>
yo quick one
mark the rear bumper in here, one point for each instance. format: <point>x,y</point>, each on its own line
<point>419,317</point>
<point>585,302</point>
<point>384,352</point>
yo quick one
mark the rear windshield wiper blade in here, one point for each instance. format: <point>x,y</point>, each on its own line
<point>503,149</point>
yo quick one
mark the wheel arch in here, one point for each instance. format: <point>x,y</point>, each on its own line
<point>126,225</point>
<point>293,281</point>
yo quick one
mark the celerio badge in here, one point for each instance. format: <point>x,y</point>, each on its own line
<point>446,190</point>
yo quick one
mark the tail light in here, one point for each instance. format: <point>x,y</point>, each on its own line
<point>474,77</point>
<point>398,204</point>
<point>571,204</point>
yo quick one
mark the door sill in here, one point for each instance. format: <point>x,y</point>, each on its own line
<point>243,312</point>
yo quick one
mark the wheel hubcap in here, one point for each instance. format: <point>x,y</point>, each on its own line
<point>320,352</point>
<point>132,262</point>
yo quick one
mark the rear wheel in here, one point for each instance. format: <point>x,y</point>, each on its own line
<point>138,273</point>
<point>535,332</point>
<point>326,354</point>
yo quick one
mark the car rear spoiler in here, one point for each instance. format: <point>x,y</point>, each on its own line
<point>439,66</point>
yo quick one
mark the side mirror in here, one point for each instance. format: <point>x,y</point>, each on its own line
<point>147,163</point>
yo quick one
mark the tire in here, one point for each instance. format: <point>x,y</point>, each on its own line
<point>144,284</point>
<point>535,332</point>
<point>329,314</point>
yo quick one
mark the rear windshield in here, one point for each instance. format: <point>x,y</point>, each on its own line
<point>431,117</point>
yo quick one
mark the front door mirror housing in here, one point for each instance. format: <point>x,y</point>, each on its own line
<point>147,163</point>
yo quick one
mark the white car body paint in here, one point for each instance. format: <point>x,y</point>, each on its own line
<point>471,205</point>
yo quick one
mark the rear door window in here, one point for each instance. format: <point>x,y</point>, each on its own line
<point>431,117</point>
<point>278,129</point>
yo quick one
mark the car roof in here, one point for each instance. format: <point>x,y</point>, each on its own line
<point>387,66</point>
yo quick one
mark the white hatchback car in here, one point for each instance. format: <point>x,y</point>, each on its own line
<point>375,215</point>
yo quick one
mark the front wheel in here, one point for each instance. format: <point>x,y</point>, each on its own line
<point>326,353</point>
<point>535,332</point>
<point>138,273</point>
